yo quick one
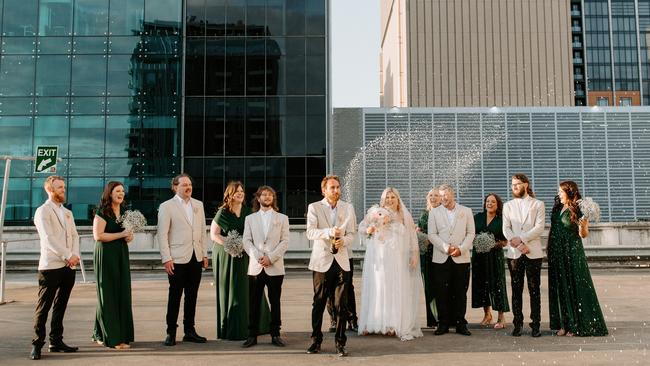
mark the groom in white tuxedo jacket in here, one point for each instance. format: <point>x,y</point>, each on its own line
<point>331,225</point>
<point>451,230</point>
<point>266,239</point>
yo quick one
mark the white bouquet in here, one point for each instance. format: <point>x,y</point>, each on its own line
<point>590,209</point>
<point>484,242</point>
<point>233,244</point>
<point>376,219</point>
<point>132,221</point>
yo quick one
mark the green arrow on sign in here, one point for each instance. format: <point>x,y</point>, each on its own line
<point>46,159</point>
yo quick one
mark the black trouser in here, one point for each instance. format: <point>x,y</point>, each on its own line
<point>256,290</point>
<point>54,287</point>
<point>451,281</point>
<point>186,277</point>
<point>334,283</point>
<point>532,269</point>
<point>352,302</point>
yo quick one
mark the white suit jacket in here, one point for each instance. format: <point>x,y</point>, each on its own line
<point>59,240</point>
<point>176,237</point>
<point>319,226</point>
<point>528,227</point>
<point>274,244</point>
<point>442,234</point>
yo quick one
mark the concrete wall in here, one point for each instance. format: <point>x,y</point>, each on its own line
<point>625,241</point>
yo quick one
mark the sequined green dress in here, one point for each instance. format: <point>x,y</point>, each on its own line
<point>573,303</point>
<point>426,267</point>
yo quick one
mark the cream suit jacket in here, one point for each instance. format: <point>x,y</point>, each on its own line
<point>59,240</point>
<point>443,234</point>
<point>529,227</point>
<point>176,237</point>
<point>274,244</point>
<point>319,226</point>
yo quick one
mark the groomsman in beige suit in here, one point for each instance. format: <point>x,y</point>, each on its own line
<point>451,230</point>
<point>56,267</point>
<point>184,251</point>
<point>523,224</point>
<point>331,225</point>
<point>266,239</point>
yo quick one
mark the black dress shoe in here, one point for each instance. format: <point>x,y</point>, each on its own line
<point>341,352</point>
<point>314,348</point>
<point>332,326</point>
<point>536,333</point>
<point>462,329</point>
<point>62,347</point>
<point>277,341</point>
<point>353,326</point>
<point>441,330</point>
<point>36,352</point>
<point>191,336</point>
<point>516,332</point>
<point>170,340</point>
<point>250,341</point>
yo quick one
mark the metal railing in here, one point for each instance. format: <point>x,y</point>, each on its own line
<point>3,269</point>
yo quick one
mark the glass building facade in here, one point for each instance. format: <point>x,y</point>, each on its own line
<point>610,46</point>
<point>140,90</point>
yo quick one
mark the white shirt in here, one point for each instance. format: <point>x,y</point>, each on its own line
<point>451,215</point>
<point>266,220</point>
<point>332,212</point>
<point>187,207</point>
<point>58,210</point>
<point>523,205</point>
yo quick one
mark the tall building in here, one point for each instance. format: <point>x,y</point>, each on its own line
<point>443,53</point>
<point>140,90</point>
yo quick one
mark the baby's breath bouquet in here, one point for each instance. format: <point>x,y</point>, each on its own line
<point>132,221</point>
<point>233,244</point>
<point>590,209</point>
<point>423,242</point>
<point>484,242</point>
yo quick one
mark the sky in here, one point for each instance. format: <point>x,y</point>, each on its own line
<point>355,53</point>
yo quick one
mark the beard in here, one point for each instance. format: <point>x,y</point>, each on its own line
<point>519,194</point>
<point>266,204</point>
<point>60,198</point>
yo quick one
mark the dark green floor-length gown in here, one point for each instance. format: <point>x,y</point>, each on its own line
<point>573,303</point>
<point>426,267</point>
<point>231,283</point>
<point>114,316</point>
<point>488,269</point>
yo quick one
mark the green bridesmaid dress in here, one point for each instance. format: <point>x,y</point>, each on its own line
<point>231,282</point>
<point>114,316</point>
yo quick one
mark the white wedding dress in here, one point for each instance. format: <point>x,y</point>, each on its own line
<point>391,289</point>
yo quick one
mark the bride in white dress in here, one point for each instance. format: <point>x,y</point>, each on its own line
<point>391,281</point>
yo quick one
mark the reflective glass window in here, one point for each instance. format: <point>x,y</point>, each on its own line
<point>53,75</point>
<point>164,16</point>
<point>235,109</point>
<point>315,17</point>
<point>255,18</point>
<point>275,16</point>
<point>52,106</point>
<point>213,181</point>
<point>215,52</point>
<point>235,66</point>
<point>89,45</point>
<point>120,105</point>
<point>275,66</point>
<point>236,17</point>
<point>87,105</point>
<point>316,68</point>
<point>55,18</point>
<point>125,45</point>
<point>195,17</point>
<point>52,130</point>
<point>215,18</point>
<point>276,177</point>
<point>160,136</point>
<point>255,172</point>
<point>17,75</point>
<point>255,66</point>
<point>90,17</point>
<point>120,77</point>
<point>316,117</point>
<point>20,17</point>
<point>295,10</point>
<point>121,168</point>
<point>294,127</point>
<point>54,45</point>
<point>18,206</point>
<point>16,106</point>
<point>86,167</point>
<point>89,75</point>
<point>295,65</point>
<point>214,126</point>
<point>16,136</point>
<point>122,137</point>
<point>255,129</point>
<point>126,17</point>
<point>83,196</point>
<point>195,66</point>
<point>18,45</point>
<point>87,136</point>
<point>193,127</point>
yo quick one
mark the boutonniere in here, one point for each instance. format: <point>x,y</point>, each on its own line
<point>276,222</point>
<point>67,216</point>
<point>461,215</point>
<point>196,210</point>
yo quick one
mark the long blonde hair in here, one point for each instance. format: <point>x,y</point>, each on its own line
<point>382,201</point>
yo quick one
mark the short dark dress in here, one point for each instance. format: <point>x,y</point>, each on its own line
<point>488,269</point>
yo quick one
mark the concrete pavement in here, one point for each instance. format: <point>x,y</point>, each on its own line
<point>624,297</point>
